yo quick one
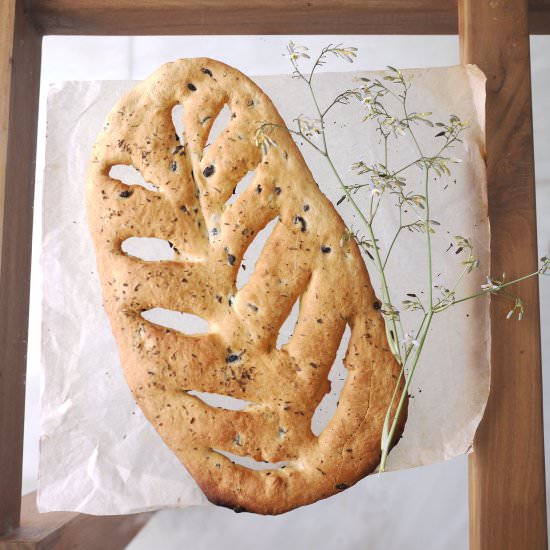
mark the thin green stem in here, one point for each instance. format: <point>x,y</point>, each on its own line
<point>419,149</point>
<point>428,238</point>
<point>394,240</point>
<point>499,288</point>
<point>405,167</point>
<point>440,308</point>
<point>386,447</point>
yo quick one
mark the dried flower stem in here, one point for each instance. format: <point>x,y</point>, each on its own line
<point>406,349</point>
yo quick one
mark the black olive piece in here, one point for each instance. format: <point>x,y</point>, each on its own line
<point>239,509</point>
<point>326,249</point>
<point>306,207</point>
<point>277,190</point>
<point>253,307</point>
<point>231,259</point>
<point>232,358</point>
<point>125,194</point>
<point>341,486</point>
<point>206,71</point>
<point>302,222</point>
<point>259,189</point>
<point>377,305</point>
<point>250,102</point>
<point>192,87</point>
<point>208,171</point>
<point>183,208</point>
<point>174,166</point>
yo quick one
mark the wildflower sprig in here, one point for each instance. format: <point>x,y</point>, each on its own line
<point>295,52</point>
<point>386,106</point>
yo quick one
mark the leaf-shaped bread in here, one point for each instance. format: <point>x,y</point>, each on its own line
<point>309,257</point>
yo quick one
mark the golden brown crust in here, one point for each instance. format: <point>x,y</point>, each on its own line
<point>309,256</point>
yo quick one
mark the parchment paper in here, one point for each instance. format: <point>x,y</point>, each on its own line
<point>98,453</point>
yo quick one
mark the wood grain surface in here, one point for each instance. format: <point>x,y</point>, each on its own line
<point>539,16</point>
<point>194,17</point>
<point>17,185</point>
<point>60,530</point>
<point>7,17</point>
<point>507,481</point>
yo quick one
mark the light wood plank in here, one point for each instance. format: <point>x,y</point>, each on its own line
<point>71,530</point>
<point>17,185</point>
<point>7,20</point>
<point>507,480</point>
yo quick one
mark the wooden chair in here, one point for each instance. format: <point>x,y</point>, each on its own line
<point>506,476</point>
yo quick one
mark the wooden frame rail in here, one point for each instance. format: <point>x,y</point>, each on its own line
<point>143,17</point>
<point>70,530</point>
<point>506,477</point>
<point>506,480</point>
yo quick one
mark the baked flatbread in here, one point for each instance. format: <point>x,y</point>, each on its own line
<point>309,257</point>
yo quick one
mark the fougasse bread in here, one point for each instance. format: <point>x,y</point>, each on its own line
<point>309,257</point>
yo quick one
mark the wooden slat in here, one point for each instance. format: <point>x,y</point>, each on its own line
<point>17,186</point>
<point>7,19</point>
<point>539,16</point>
<point>507,482</point>
<point>195,17</point>
<point>71,530</point>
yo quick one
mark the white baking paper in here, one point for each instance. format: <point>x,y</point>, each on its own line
<point>98,454</point>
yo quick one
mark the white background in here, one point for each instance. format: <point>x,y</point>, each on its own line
<point>424,508</point>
